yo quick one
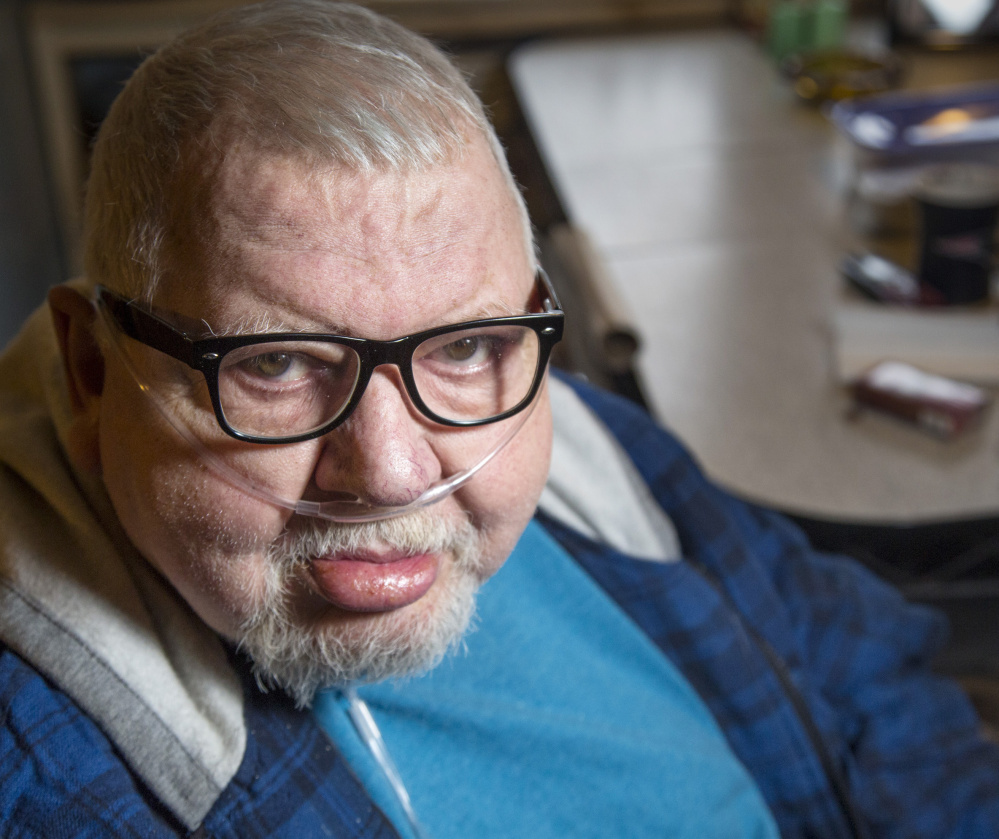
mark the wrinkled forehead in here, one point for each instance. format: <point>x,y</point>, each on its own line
<point>263,241</point>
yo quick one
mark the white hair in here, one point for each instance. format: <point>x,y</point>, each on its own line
<point>328,83</point>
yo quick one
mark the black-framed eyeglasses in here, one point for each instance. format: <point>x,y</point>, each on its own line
<point>287,387</point>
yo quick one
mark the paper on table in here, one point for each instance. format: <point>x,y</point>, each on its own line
<point>959,344</point>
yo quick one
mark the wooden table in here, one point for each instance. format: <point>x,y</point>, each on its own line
<point>713,199</point>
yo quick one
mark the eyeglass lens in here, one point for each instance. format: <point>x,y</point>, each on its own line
<point>286,388</point>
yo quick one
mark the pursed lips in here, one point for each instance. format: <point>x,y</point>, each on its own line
<point>374,580</point>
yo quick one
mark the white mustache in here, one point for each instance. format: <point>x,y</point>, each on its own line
<point>419,532</point>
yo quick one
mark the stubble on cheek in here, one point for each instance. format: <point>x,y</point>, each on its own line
<point>209,540</point>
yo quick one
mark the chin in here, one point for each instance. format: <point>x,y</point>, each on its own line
<point>343,648</point>
<point>333,647</point>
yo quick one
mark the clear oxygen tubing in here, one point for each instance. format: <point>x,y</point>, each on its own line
<point>367,729</point>
<point>346,507</point>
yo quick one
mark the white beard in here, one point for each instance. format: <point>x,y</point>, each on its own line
<point>302,659</point>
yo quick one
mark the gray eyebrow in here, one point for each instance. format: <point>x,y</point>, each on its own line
<point>261,324</point>
<point>264,323</point>
<point>497,311</point>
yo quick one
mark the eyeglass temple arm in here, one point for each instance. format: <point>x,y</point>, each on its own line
<point>148,329</point>
<point>550,302</point>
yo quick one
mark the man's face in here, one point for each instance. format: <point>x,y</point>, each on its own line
<point>374,256</point>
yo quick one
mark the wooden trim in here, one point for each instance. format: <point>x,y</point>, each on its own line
<point>465,19</point>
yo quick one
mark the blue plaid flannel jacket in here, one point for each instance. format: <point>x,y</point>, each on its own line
<point>814,669</point>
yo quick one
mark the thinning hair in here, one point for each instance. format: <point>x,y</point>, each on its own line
<point>332,84</point>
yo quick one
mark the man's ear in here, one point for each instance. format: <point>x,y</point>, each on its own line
<point>73,317</point>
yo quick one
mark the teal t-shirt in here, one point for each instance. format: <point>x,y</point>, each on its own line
<point>561,718</point>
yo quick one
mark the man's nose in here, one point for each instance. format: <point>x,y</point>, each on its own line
<point>381,453</point>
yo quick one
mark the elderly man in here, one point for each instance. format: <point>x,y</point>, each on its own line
<point>265,460</point>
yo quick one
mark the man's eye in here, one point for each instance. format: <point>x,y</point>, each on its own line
<point>271,365</point>
<point>464,349</point>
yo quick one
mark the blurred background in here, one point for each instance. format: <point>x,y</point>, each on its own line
<point>62,61</point>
